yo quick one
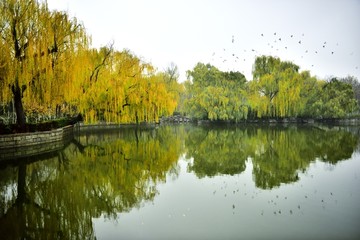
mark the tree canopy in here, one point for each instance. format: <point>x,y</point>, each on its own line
<point>216,95</point>
<point>48,70</point>
<point>36,46</point>
<point>278,90</point>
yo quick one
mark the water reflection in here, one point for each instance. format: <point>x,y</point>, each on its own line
<point>277,153</point>
<point>217,151</point>
<point>97,174</point>
<point>56,195</point>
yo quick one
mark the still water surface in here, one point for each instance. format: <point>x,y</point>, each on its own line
<point>189,182</point>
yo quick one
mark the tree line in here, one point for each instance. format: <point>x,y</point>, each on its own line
<point>48,70</point>
<point>278,90</point>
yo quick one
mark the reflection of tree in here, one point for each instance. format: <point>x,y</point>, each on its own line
<point>97,174</point>
<point>281,153</point>
<point>334,145</point>
<point>104,173</point>
<point>277,153</point>
<point>216,151</point>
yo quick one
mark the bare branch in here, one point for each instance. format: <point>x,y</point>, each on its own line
<point>107,55</point>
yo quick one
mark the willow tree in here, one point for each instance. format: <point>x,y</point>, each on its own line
<point>216,95</point>
<point>36,44</point>
<point>276,88</point>
<point>117,86</point>
<point>147,95</point>
<point>109,91</point>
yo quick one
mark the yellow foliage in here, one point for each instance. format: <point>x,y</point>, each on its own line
<point>49,57</point>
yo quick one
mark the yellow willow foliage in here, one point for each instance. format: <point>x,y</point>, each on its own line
<point>14,17</point>
<point>259,101</point>
<point>76,76</point>
<point>162,101</point>
<point>39,54</point>
<point>120,88</point>
<point>47,56</point>
<point>5,56</point>
<point>288,101</point>
<point>281,94</point>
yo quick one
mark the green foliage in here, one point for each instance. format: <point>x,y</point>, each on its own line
<point>215,95</point>
<point>334,99</point>
<point>278,90</point>
<point>48,70</point>
<point>353,81</point>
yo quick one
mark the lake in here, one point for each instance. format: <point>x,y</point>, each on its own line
<point>188,182</point>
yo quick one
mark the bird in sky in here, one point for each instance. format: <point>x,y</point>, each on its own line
<point>275,45</point>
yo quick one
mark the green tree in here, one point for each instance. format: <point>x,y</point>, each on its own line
<point>354,82</point>
<point>275,89</point>
<point>215,95</point>
<point>335,99</point>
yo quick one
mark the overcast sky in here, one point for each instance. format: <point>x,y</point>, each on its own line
<point>322,36</point>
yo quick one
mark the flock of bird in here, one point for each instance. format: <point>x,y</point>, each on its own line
<point>275,44</point>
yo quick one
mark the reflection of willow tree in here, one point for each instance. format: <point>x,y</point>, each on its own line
<point>216,151</point>
<point>88,179</point>
<point>277,154</point>
<point>281,153</point>
<point>334,145</point>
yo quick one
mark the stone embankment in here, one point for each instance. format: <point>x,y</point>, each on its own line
<point>28,144</point>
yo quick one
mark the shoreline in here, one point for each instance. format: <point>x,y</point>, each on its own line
<point>20,145</point>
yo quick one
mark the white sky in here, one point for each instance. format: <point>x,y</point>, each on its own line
<point>189,31</point>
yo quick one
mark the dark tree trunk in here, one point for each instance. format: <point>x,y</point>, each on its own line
<point>136,118</point>
<point>20,114</point>
<point>21,187</point>
<point>58,111</point>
